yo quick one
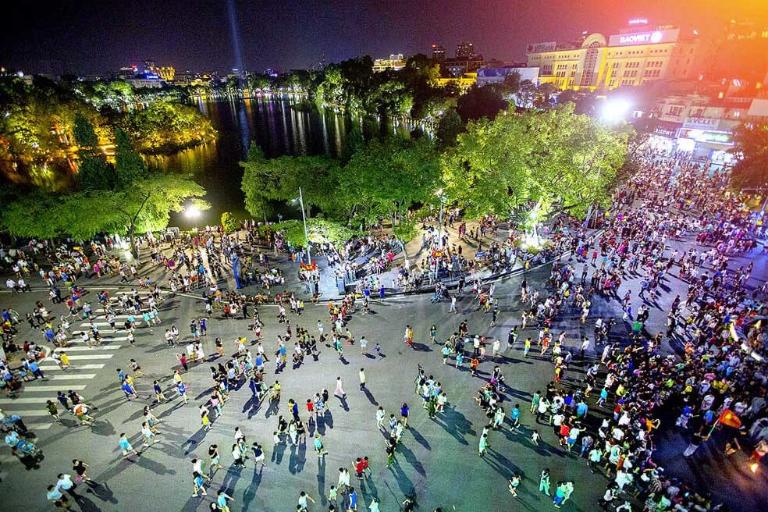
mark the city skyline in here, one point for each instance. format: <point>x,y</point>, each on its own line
<point>66,38</point>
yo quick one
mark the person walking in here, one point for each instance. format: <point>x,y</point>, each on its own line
<point>304,500</point>
<point>380,415</point>
<point>482,447</point>
<point>198,485</point>
<point>361,374</point>
<point>544,482</point>
<point>319,448</point>
<point>126,447</point>
<point>339,391</point>
<point>404,411</point>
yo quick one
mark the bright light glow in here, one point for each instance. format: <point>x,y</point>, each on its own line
<point>753,467</point>
<point>192,212</point>
<point>531,241</point>
<point>615,110</point>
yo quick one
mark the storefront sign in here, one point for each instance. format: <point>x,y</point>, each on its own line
<point>647,37</point>
<point>706,136</point>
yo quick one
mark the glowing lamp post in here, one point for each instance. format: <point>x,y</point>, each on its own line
<point>192,212</point>
<point>615,110</point>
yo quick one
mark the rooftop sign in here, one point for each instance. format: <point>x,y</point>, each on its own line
<point>645,37</point>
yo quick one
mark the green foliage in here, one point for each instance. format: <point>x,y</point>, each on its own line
<point>129,166</point>
<point>165,126</point>
<point>94,173</point>
<point>480,102</point>
<point>85,135</point>
<point>406,231</point>
<point>279,179</point>
<point>555,156</point>
<point>388,177</point>
<point>449,128</point>
<point>319,230</point>
<point>751,145</point>
<point>229,222</point>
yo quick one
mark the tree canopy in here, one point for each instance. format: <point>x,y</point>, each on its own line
<point>751,145</point>
<point>555,156</point>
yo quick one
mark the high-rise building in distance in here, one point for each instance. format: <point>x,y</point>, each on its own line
<point>438,53</point>
<point>465,50</point>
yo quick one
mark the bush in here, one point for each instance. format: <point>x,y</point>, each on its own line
<point>229,222</point>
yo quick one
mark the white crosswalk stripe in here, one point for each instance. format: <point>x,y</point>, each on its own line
<point>56,367</point>
<point>103,338</point>
<point>26,400</point>
<point>73,376</point>
<point>31,413</point>
<point>30,387</point>
<point>85,357</point>
<point>83,349</point>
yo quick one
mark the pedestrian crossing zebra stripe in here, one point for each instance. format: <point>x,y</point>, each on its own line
<point>31,388</point>
<point>84,349</point>
<point>56,367</point>
<point>73,376</point>
<point>85,357</point>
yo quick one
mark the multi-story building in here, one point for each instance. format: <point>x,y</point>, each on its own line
<point>438,53</point>
<point>497,75</point>
<point>702,126</point>
<point>166,73</point>
<point>395,62</point>
<point>465,50</point>
<point>636,55</point>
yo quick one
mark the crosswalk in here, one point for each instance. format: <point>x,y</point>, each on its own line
<point>84,358</point>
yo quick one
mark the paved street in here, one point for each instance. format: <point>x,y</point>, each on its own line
<point>433,458</point>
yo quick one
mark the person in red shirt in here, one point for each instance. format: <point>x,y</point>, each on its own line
<point>359,468</point>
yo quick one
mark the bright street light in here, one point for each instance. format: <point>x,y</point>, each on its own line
<point>192,212</point>
<point>615,110</point>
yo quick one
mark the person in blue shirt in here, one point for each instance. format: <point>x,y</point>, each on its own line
<point>352,499</point>
<point>515,416</point>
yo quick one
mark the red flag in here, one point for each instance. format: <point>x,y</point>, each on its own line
<point>729,418</point>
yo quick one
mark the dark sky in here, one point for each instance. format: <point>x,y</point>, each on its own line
<point>95,36</point>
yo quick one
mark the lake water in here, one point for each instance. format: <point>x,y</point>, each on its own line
<point>272,124</point>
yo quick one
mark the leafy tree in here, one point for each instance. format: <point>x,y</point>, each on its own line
<point>449,128</point>
<point>94,173</point>
<point>552,158</point>
<point>278,179</point>
<point>229,222</point>
<point>512,82</point>
<point>751,147</point>
<point>129,165</point>
<point>480,102</point>
<point>385,178</point>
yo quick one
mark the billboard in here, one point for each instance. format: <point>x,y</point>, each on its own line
<point>645,37</point>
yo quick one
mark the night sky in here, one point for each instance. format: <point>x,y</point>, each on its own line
<point>84,36</point>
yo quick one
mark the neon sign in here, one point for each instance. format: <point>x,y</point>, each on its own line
<point>641,38</point>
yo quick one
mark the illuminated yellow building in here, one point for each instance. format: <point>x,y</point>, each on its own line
<point>636,55</point>
<point>463,82</point>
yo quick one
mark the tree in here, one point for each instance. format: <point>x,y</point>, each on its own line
<point>449,128</point>
<point>512,82</point>
<point>278,179</point>
<point>385,178</point>
<point>94,173</point>
<point>751,149</point>
<point>554,158</point>
<point>129,165</point>
<point>480,102</point>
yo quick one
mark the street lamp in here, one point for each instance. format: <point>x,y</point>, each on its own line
<point>306,233</point>
<point>439,194</point>
<point>192,212</point>
<point>615,110</point>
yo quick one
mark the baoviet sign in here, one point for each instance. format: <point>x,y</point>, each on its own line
<point>646,37</point>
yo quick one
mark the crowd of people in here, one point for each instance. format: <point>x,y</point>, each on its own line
<point>704,369</point>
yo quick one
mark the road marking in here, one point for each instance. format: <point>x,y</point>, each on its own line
<point>75,368</point>
<point>26,400</point>
<point>103,338</point>
<point>90,356</point>
<point>73,376</point>
<point>31,412</point>
<point>83,349</point>
<point>29,388</point>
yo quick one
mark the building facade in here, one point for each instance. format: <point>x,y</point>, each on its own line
<point>497,75</point>
<point>438,53</point>
<point>395,62</point>
<point>636,55</point>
